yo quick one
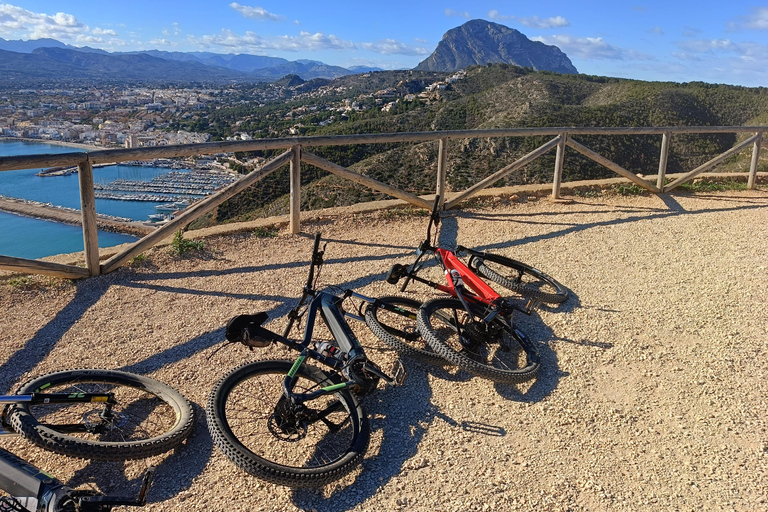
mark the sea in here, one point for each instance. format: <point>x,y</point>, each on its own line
<point>24,237</point>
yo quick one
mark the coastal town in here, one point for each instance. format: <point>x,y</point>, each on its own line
<point>141,115</point>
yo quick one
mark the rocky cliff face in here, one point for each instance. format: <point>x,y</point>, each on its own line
<point>481,42</point>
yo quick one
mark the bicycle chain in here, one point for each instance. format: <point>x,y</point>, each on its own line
<point>10,504</point>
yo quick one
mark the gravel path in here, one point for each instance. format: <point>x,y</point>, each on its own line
<point>652,394</point>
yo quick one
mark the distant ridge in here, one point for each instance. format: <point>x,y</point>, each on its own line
<point>483,42</point>
<point>51,59</point>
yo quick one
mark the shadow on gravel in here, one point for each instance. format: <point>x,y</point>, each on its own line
<point>175,472</point>
<point>42,343</point>
<point>400,417</point>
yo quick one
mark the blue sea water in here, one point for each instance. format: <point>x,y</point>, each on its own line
<point>23,237</point>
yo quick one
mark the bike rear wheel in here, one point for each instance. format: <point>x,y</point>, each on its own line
<point>256,427</point>
<point>400,329</point>
<point>492,350</point>
<point>520,278</point>
<point>149,417</point>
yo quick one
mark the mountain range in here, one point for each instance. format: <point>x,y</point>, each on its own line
<point>475,42</point>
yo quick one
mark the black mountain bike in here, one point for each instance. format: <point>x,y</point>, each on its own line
<point>292,423</point>
<point>93,414</point>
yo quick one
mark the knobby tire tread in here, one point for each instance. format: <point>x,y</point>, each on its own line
<point>502,376</point>
<point>557,297</point>
<point>253,464</point>
<point>385,333</point>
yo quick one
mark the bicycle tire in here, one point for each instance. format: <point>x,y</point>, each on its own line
<point>399,332</point>
<point>149,417</point>
<point>465,341</point>
<point>268,438</point>
<point>520,278</point>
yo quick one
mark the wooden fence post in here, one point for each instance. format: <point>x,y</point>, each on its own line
<point>88,211</point>
<point>663,160</point>
<point>295,198</point>
<point>559,158</point>
<point>442,164</point>
<point>755,161</point>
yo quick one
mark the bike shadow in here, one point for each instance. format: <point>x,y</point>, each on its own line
<point>399,419</point>
<point>175,470</point>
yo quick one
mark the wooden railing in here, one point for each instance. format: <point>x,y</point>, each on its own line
<point>296,152</point>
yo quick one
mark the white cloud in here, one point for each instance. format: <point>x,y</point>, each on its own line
<point>708,45</point>
<point>103,32</point>
<point>532,21</point>
<point>393,47</point>
<point>258,13</point>
<point>162,42</point>
<point>591,48</point>
<point>451,13</point>
<point>251,41</point>
<point>305,41</point>
<point>657,30</point>
<point>536,22</point>
<point>19,22</point>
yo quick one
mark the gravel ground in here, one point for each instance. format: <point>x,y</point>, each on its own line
<point>652,394</point>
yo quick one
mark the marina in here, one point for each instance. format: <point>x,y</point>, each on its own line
<point>167,187</point>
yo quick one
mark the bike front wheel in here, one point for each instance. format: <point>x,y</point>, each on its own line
<point>520,278</point>
<point>147,419</point>
<point>492,350</point>
<point>264,434</point>
<point>399,328</point>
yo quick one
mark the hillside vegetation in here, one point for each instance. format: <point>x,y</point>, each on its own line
<point>496,96</point>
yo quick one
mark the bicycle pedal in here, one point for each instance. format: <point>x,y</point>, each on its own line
<point>398,372</point>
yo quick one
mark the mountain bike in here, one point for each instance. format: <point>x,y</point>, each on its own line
<point>93,414</point>
<point>474,329</point>
<point>292,423</point>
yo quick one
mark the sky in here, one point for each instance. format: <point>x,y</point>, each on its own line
<point>711,41</point>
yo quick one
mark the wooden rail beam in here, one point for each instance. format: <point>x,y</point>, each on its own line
<point>490,180</point>
<point>26,266</point>
<point>338,170</point>
<point>703,167</point>
<point>613,166</point>
<point>193,212</point>
<point>9,163</point>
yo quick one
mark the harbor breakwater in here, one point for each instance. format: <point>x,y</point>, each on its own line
<point>38,210</point>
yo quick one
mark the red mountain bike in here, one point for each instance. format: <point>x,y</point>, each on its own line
<point>473,329</point>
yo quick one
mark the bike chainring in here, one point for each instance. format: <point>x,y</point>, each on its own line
<point>366,382</point>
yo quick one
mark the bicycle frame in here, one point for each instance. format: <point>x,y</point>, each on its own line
<point>360,373</point>
<point>458,275</point>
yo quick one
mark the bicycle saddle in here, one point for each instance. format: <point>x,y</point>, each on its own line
<point>247,330</point>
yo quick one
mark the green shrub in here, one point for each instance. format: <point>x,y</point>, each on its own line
<point>181,246</point>
<point>261,232</point>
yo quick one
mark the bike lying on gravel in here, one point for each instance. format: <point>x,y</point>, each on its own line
<point>474,329</point>
<point>292,423</point>
<point>92,414</point>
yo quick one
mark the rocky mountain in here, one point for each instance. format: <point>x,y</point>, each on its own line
<point>482,42</point>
